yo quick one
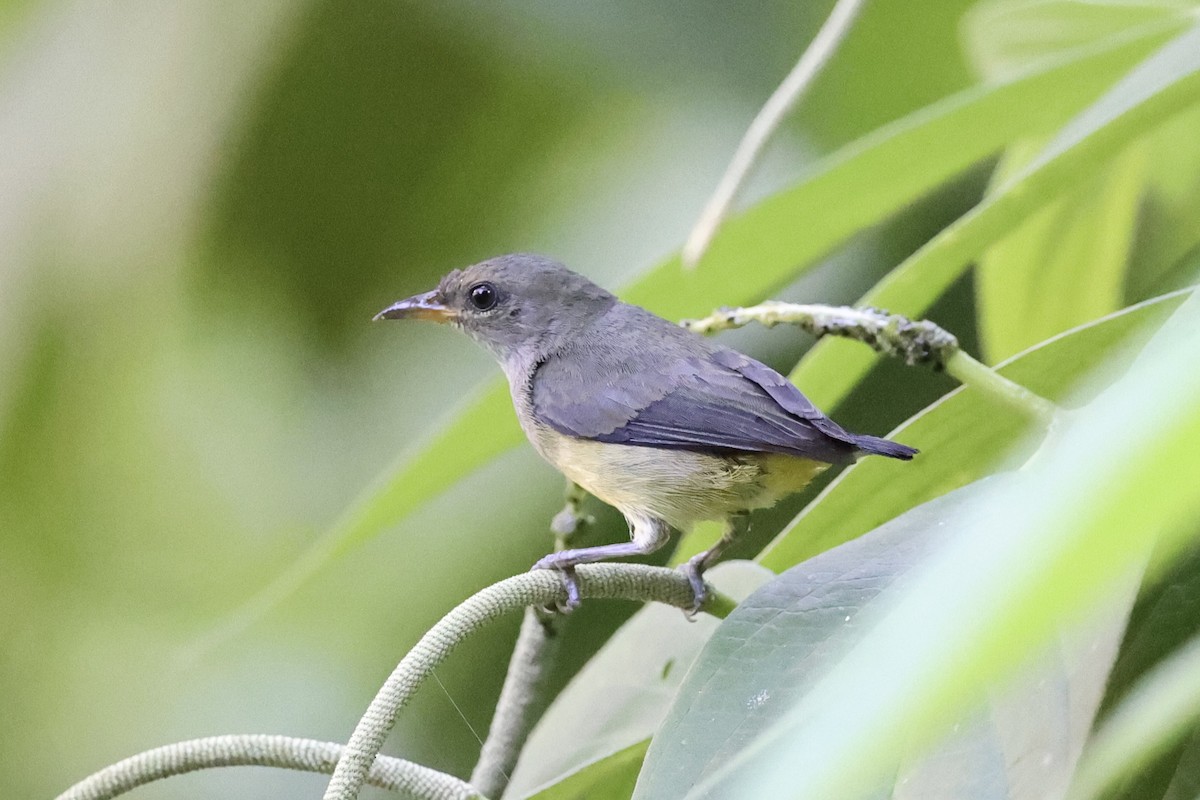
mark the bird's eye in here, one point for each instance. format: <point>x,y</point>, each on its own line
<point>483,296</point>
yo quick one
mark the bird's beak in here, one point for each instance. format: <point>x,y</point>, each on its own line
<point>421,306</point>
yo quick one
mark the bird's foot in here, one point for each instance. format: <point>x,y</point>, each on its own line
<point>565,561</point>
<point>694,570</point>
<point>566,571</point>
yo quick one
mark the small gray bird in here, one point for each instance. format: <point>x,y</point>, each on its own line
<point>666,426</point>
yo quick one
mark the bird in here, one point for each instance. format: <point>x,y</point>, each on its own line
<point>668,427</point>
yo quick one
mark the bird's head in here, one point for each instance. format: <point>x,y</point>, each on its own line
<point>517,306</point>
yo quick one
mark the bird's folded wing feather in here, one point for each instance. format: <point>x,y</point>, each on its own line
<point>718,400</point>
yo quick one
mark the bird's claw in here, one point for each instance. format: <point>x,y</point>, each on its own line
<point>694,571</point>
<point>570,581</point>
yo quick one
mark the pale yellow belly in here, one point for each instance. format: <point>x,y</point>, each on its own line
<point>681,487</point>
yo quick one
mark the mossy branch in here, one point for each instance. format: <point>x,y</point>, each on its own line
<point>915,342</point>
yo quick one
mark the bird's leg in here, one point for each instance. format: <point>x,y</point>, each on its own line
<point>646,534</point>
<point>696,565</point>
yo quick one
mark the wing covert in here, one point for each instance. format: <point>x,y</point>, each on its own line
<point>721,400</point>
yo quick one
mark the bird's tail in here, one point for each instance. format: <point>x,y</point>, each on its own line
<point>874,446</point>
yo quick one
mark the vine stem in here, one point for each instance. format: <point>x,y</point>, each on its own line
<point>359,762</point>
<point>260,750</point>
<point>522,702</point>
<point>972,372</point>
<point>536,588</point>
<point>764,125</point>
<point>525,695</point>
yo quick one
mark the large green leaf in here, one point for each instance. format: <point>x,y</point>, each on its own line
<point>1006,35</point>
<point>1048,545</point>
<point>620,697</point>
<point>962,437</point>
<point>1167,228</point>
<point>760,250</point>
<point>1065,265</point>
<point>1164,84</point>
<point>778,642</point>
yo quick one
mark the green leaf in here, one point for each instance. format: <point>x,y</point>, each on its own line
<point>1063,266</point>
<point>756,252</point>
<point>1048,545</point>
<point>1167,229</point>
<point>868,180</point>
<point>962,437</point>
<point>1162,624</point>
<point>620,697</point>
<point>611,778</point>
<point>1162,708</point>
<point>1010,35</point>
<point>773,648</point>
<point>1164,84</point>
<point>485,430</point>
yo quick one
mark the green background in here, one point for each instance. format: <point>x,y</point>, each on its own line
<point>201,207</point>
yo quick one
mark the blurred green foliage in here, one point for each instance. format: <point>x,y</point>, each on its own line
<point>202,205</point>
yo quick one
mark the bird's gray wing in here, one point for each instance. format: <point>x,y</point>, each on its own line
<point>717,400</point>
